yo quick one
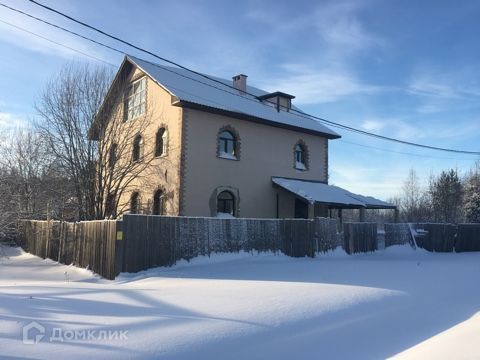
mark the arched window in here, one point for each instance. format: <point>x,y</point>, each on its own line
<point>112,156</point>
<point>158,203</point>
<point>137,148</point>
<point>227,145</point>
<point>226,203</point>
<point>134,203</point>
<point>300,157</point>
<point>161,142</point>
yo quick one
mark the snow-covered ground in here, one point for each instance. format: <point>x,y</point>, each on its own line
<point>402,302</point>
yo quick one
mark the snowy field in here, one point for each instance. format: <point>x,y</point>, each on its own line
<point>397,302</point>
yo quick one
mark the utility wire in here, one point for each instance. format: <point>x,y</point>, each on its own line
<point>57,43</point>
<point>306,115</point>
<point>403,153</point>
<point>110,64</point>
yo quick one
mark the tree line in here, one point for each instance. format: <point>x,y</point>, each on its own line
<point>448,197</point>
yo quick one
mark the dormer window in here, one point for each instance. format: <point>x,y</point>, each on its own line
<point>278,100</point>
<point>134,101</point>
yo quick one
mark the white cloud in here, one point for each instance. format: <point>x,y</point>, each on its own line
<point>439,91</point>
<point>381,182</point>
<point>373,125</point>
<point>313,86</point>
<point>11,120</point>
<point>339,25</point>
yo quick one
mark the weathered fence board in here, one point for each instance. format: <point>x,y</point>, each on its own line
<point>86,244</point>
<point>468,238</point>
<point>397,234</point>
<point>439,237</point>
<point>360,237</point>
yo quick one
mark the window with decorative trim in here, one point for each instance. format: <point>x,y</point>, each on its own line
<point>112,156</point>
<point>110,206</point>
<point>158,203</point>
<point>161,142</point>
<point>300,154</point>
<point>227,145</point>
<point>137,150</point>
<point>135,203</point>
<point>226,203</point>
<point>135,99</point>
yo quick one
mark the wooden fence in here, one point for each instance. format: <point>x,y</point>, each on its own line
<point>397,234</point>
<point>140,242</point>
<point>449,237</point>
<point>468,237</point>
<point>150,241</point>
<point>89,244</point>
<point>360,237</point>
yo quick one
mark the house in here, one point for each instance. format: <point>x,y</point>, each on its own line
<point>213,147</point>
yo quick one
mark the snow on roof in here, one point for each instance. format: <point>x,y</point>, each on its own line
<point>192,88</point>
<point>314,191</point>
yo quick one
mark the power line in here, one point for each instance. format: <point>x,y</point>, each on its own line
<point>301,113</point>
<point>110,64</point>
<point>338,125</point>
<point>57,43</point>
<point>62,28</point>
<point>403,153</point>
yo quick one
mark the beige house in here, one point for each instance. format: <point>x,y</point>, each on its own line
<point>213,147</point>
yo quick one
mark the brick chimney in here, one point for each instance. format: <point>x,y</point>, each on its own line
<point>240,82</point>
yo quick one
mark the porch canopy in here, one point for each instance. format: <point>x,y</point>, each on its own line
<point>333,196</point>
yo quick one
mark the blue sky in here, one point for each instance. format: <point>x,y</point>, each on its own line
<point>408,70</point>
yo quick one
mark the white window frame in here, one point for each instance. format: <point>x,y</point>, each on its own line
<point>134,103</point>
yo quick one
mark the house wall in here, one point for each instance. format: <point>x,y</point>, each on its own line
<point>162,172</point>
<point>265,151</point>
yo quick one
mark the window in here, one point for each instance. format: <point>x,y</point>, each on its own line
<point>110,205</point>
<point>300,157</point>
<point>137,148</point>
<point>226,203</point>
<point>134,203</point>
<point>161,142</point>
<point>158,203</point>
<point>134,101</point>
<point>227,145</point>
<point>112,157</point>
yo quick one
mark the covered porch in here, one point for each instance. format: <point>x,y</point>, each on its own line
<point>310,199</point>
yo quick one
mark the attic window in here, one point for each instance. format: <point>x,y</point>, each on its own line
<point>278,100</point>
<point>134,101</point>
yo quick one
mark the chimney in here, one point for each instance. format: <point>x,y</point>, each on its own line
<point>240,82</point>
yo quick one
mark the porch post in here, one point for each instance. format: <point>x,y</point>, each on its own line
<point>396,215</point>
<point>362,215</point>
<point>311,211</point>
<point>340,218</point>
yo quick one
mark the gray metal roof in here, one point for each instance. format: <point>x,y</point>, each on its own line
<point>190,88</point>
<point>317,192</point>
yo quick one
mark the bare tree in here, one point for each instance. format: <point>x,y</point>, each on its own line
<point>67,108</point>
<point>414,201</point>
<point>124,158</point>
<point>28,186</point>
<point>85,124</point>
